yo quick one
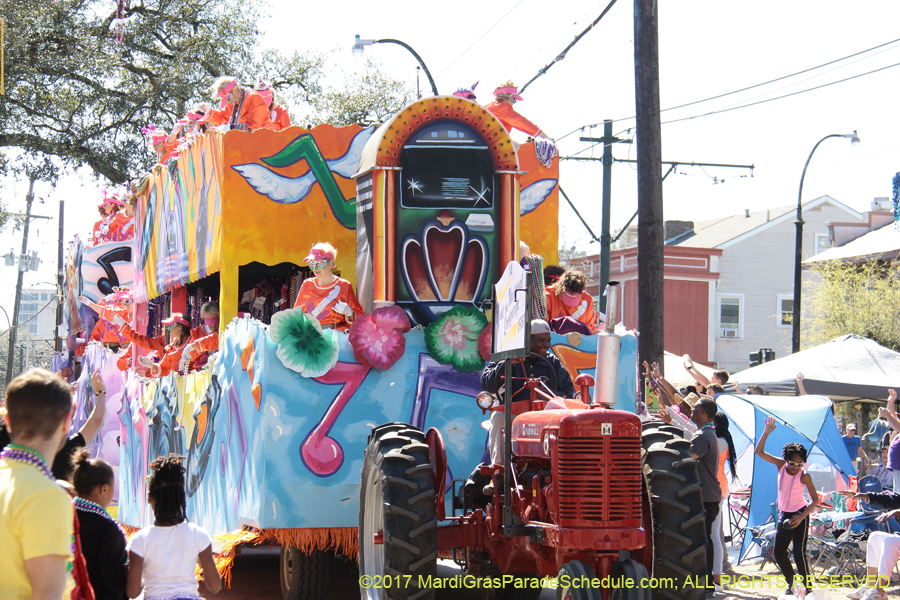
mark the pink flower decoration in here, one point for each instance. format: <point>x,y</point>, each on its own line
<point>484,342</point>
<point>377,339</point>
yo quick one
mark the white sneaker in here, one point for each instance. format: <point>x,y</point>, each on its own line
<point>874,594</point>
<point>858,593</point>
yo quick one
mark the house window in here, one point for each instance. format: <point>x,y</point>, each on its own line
<point>784,310</point>
<point>43,297</point>
<point>823,242</point>
<point>731,316</point>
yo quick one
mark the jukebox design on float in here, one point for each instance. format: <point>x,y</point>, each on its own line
<point>437,208</point>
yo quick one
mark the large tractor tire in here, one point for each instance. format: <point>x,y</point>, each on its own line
<point>676,514</point>
<point>304,575</point>
<point>397,500</point>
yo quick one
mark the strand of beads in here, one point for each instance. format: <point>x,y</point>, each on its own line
<point>27,455</point>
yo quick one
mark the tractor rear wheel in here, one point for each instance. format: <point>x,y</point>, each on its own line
<point>678,521</point>
<point>397,501</point>
<point>576,582</point>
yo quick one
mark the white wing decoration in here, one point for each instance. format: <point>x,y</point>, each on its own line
<point>281,189</point>
<point>532,196</point>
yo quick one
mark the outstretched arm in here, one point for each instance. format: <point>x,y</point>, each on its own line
<point>800,389</point>
<point>760,447</point>
<point>98,413</point>
<point>695,372</point>
<point>889,412</point>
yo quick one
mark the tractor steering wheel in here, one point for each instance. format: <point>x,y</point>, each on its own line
<point>549,365</point>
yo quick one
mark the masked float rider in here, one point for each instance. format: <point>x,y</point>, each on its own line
<point>326,296</point>
<point>118,303</point>
<point>505,97</point>
<point>179,332</point>
<point>277,113</point>
<point>108,208</point>
<point>239,107</point>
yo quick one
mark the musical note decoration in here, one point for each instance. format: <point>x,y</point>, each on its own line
<point>322,454</point>
<point>290,190</point>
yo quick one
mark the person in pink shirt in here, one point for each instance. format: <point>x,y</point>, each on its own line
<point>793,507</point>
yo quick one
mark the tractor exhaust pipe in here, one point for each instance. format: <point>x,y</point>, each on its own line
<point>607,374</point>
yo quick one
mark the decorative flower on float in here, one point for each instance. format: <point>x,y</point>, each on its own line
<point>453,338</point>
<point>377,339</point>
<point>302,345</point>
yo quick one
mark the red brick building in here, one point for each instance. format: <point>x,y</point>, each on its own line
<point>690,295</point>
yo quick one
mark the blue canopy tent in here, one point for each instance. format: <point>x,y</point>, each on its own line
<point>808,420</point>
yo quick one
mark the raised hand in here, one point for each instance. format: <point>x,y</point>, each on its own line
<point>97,383</point>
<point>665,415</point>
<point>770,425</point>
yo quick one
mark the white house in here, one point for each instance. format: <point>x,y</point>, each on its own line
<point>754,292</point>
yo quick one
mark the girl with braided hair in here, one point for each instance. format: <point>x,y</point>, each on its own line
<point>793,522</point>
<point>163,557</point>
<point>102,540</point>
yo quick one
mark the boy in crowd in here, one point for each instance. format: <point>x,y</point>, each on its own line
<point>36,516</point>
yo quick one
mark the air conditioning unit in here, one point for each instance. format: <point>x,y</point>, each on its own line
<point>728,333</point>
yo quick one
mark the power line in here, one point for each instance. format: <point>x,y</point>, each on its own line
<point>491,28</point>
<point>725,110</point>
<point>750,87</point>
<point>578,37</point>
<point>818,87</point>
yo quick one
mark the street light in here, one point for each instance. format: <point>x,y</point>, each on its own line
<point>798,250</point>
<point>359,48</point>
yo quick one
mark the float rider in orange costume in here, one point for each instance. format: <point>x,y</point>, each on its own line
<point>252,112</point>
<point>502,107</point>
<point>180,332</point>
<point>567,298</point>
<point>327,297</point>
<point>277,113</point>
<point>108,208</point>
<point>118,303</point>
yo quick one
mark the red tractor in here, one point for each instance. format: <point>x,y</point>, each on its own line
<point>583,495</point>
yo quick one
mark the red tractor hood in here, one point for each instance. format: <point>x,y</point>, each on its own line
<point>532,431</point>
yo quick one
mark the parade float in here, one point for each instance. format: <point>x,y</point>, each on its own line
<point>426,211</point>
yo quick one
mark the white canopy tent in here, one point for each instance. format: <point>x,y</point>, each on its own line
<point>849,367</point>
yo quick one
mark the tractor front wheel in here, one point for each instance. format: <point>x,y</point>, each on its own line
<point>397,506</point>
<point>304,575</point>
<point>577,581</point>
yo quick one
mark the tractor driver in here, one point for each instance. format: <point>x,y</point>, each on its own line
<point>530,366</point>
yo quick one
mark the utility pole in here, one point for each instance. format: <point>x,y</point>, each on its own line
<point>60,269</point>
<point>651,231</point>
<point>605,238</point>
<point>15,320</point>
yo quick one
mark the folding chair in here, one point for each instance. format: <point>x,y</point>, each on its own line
<point>738,514</point>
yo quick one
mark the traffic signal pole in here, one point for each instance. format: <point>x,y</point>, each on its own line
<point>15,320</point>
